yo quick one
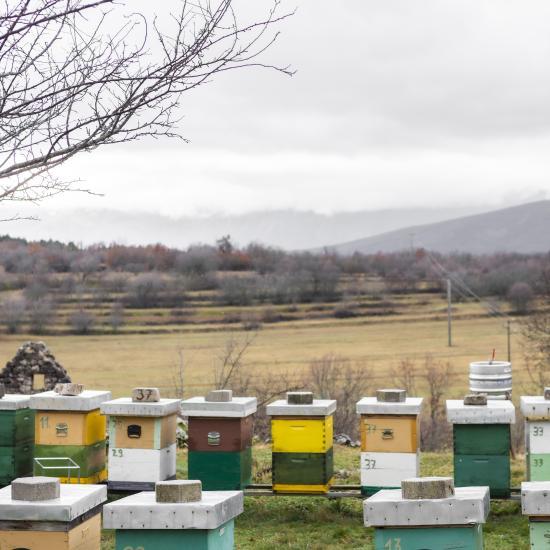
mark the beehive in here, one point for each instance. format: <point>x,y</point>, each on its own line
<point>60,517</point>
<point>150,521</point>
<point>16,437</point>
<point>451,519</point>
<point>536,410</point>
<point>220,439</point>
<point>70,435</point>
<point>535,503</point>
<point>481,444</point>
<point>142,440</point>
<point>390,439</point>
<point>302,433</point>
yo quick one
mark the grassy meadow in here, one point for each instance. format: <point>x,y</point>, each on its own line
<point>149,356</point>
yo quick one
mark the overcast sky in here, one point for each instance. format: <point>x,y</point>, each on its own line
<point>394,104</point>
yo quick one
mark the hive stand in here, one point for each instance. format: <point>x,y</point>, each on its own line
<point>428,513</point>
<point>70,434</point>
<point>220,439</point>
<point>142,440</point>
<point>536,410</point>
<point>302,434</point>
<point>16,437</point>
<point>177,515</point>
<point>37,513</point>
<point>481,443</point>
<point>390,439</point>
<point>535,503</point>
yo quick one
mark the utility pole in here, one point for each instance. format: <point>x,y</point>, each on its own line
<point>509,340</point>
<point>449,314</point>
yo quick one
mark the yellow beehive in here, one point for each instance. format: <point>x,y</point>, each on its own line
<point>69,427</point>
<point>389,433</point>
<point>86,536</point>
<point>38,513</point>
<point>301,432</point>
<point>70,434</point>
<point>302,435</point>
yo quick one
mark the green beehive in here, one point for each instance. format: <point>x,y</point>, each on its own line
<point>535,503</point>
<point>428,514</point>
<point>16,437</point>
<point>481,443</point>
<point>177,515</point>
<point>536,410</point>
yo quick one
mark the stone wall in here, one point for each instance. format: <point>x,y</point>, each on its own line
<point>32,358</point>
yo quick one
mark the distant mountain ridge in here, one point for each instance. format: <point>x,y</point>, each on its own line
<point>524,228</point>
<point>287,229</point>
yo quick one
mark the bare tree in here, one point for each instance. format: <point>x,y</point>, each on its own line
<point>435,428</point>
<point>178,374</point>
<point>116,316</point>
<point>405,376</point>
<point>41,313</point>
<point>13,313</point>
<point>520,295</point>
<point>335,377</point>
<point>81,321</point>
<point>230,361</point>
<point>78,74</point>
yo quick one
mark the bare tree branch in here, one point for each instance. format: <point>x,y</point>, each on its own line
<point>68,85</point>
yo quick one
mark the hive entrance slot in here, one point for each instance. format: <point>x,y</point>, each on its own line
<point>134,431</point>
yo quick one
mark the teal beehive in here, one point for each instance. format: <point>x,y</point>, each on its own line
<point>535,503</point>
<point>177,515</point>
<point>428,513</point>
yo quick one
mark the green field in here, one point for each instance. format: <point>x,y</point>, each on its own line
<point>316,523</point>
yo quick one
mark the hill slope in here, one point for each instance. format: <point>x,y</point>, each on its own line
<point>524,228</point>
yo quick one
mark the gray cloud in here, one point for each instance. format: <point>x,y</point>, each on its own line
<point>394,103</point>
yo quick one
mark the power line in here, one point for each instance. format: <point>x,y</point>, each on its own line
<point>461,284</point>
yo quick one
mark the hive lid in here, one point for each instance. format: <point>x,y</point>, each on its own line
<point>124,406</point>
<point>387,508</point>
<point>370,405</point>
<point>495,412</point>
<point>238,407</point>
<point>532,407</point>
<point>535,498</point>
<point>319,407</point>
<point>88,400</point>
<point>142,511</point>
<point>14,402</point>
<point>74,501</point>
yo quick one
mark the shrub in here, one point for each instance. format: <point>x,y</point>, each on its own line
<point>82,321</point>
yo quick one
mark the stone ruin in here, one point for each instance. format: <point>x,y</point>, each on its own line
<point>32,370</point>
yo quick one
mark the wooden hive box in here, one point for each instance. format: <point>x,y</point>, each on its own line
<point>451,522</point>
<point>16,437</point>
<point>535,503</point>
<point>536,410</point>
<point>142,442</point>
<point>481,444</point>
<point>142,522</point>
<point>390,442</point>
<point>70,436</point>
<point>302,440</point>
<point>220,441</point>
<point>70,522</point>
